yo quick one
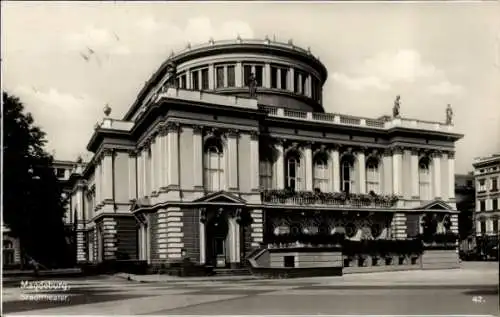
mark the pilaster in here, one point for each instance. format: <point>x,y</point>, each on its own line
<point>414,176</point>
<point>280,166</point>
<point>308,165</point>
<point>144,159</point>
<point>361,170</point>
<point>254,161</point>
<point>436,174</point>
<point>335,177</point>
<point>153,166</point>
<point>451,175</point>
<point>164,158</point>
<point>98,181</point>
<point>140,174</point>
<point>211,76</point>
<point>173,155</point>
<point>232,146</point>
<point>238,75</point>
<point>132,175</point>
<point>203,219</point>
<point>197,157</point>
<point>267,76</point>
<point>291,79</point>
<point>397,167</point>
<point>107,163</point>
<point>387,177</point>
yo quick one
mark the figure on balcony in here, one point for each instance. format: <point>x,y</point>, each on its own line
<point>397,107</point>
<point>449,115</point>
<point>252,85</point>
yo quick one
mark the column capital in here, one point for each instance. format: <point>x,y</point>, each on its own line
<point>333,147</point>
<point>387,152</point>
<point>414,151</point>
<point>173,126</point>
<point>376,153</point>
<point>254,135</point>
<point>347,150</point>
<point>397,150</point>
<point>233,133</point>
<point>451,154</point>
<point>436,154</point>
<point>280,141</point>
<point>197,129</point>
<point>162,130</point>
<point>132,152</point>
<point>108,152</point>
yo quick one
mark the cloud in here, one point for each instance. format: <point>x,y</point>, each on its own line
<point>67,119</point>
<point>360,83</point>
<point>445,88</point>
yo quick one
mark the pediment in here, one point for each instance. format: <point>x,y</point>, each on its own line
<point>436,205</point>
<point>221,197</point>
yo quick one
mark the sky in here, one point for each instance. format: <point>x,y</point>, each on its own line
<point>432,54</point>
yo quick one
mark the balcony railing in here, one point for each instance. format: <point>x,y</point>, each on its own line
<point>288,197</point>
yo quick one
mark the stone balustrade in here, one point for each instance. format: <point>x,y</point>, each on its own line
<point>339,119</point>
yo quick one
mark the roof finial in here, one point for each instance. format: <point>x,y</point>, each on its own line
<point>290,42</point>
<point>238,38</point>
<point>188,46</point>
<point>171,54</point>
<point>107,110</point>
<point>211,41</point>
<point>266,39</point>
<point>309,50</point>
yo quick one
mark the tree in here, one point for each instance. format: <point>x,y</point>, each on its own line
<point>32,202</point>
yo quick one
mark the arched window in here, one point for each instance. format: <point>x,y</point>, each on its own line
<point>347,174</point>
<point>214,165</point>
<point>372,176</point>
<point>320,172</point>
<point>292,169</point>
<point>424,178</point>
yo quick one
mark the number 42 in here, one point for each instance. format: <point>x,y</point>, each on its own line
<point>478,299</point>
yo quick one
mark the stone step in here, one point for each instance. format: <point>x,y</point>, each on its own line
<point>232,272</point>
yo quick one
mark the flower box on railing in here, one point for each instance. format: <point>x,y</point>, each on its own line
<point>319,198</point>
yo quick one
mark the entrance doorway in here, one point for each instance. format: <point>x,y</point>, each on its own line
<point>217,229</point>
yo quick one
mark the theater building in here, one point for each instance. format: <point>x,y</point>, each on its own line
<point>228,146</point>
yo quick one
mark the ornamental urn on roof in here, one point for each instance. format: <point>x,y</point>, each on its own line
<point>238,38</point>
<point>107,110</point>
<point>211,41</point>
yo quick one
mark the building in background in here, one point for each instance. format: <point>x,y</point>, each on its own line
<point>487,179</point>
<point>228,148</point>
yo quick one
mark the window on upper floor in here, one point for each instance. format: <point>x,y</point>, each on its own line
<point>494,204</point>
<point>266,174</point>
<point>257,70</point>
<point>195,80</point>
<point>60,172</point>
<point>293,171</point>
<point>482,205</point>
<point>297,80</point>
<point>182,81</point>
<point>214,165</point>
<point>321,175</point>
<point>495,225</point>
<point>219,74</point>
<point>231,71</point>
<point>274,77</point>
<point>372,175</point>
<point>424,178</point>
<point>494,184</point>
<point>347,174</point>
<point>481,185</point>
<point>204,79</point>
<point>482,227</point>
<point>284,78</point>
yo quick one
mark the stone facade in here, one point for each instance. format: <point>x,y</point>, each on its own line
<point>202,171</point>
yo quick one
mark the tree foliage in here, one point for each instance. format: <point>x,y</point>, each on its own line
<point>33,206</point>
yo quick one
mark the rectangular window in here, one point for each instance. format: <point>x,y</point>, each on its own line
<point>60,173</point>
<point>296,82</point>
<point>372,180</point>
<point>283,78</point>
<point>495,204</point>
<point>195,84</point>
<point>494,184</point>
<point>258,75</point>
<point>274,77</point>
<point>321,177</point>
<point>304,84</point>
<point>481,185</point>
<point>247,71</point>
<point>266,175</point>
<point>183,82</point>
<point>220,76</point>
<point>204,79</point>
<point>482,227</point>
<point>231,82</point>
<point>482,205</point>
<point>495,225</point>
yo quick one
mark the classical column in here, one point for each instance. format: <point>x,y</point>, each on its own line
<point>197,157</point>
<point>238,78</point>
<point>254,160</point>
<point>278,78</point>
<point>164,157</point>
<point>107,163</point>
<point>98,187</point>
<point>231,238</point>
<point>188,79</point>
<point>132,173</point>
<point>451,175</point>
<point>291,79</point>
<point>361,171</point>
<point>232,149</point>
<point>160,161</point>
<point>267,76</point>
<point>414,176</point>
<point>140,174</point>
<point>335,158</point>
<point>203,220</point>
<point>308,164</point>
<point>173,154</point>
<point>397,167</point>
<point>144,158</point>
<point>387,161</point>
<point>436,174</point>
<point>153,164</point>
<point>309,86</point>
<point>280,166</point>
<point>211,84</point>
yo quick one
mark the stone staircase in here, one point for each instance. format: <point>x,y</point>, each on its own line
<point>233,272</point>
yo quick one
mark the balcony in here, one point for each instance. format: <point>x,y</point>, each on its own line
<point>345,120</point>
<point>288,197</point>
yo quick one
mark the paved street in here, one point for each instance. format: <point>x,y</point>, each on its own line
<point>471,290</point>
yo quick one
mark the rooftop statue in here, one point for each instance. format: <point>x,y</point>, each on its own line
<point>107,110</point>
<point>171,75</point>
<point>397,107</point>
<point>252,85</point>
<point>449,114</point>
